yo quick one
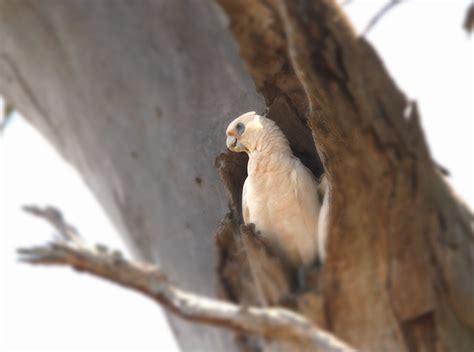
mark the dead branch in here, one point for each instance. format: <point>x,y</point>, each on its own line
<point>275,323</point>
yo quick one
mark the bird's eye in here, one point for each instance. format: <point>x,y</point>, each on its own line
<point>240,128</point>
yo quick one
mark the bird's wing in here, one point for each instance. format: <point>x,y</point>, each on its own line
<point>306,193</point>
<point>245,209</point>
<point>305,188</point>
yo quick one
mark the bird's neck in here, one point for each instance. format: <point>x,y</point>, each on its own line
<point>271,142</point>
<point>269,151</point>
<point>268,159</point>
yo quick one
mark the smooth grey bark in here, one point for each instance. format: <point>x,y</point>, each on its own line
<point>136,95</point>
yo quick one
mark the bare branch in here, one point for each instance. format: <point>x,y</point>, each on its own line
<point>382,12</point>
<point>277,323</point>
<point>56,219</point>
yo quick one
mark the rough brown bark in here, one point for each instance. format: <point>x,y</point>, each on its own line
<point>137,94</point>
<point>400,241</point>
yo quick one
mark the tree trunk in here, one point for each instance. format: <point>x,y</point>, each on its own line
<point>136,95</point>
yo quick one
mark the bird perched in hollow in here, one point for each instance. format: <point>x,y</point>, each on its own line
<point>280,195</point>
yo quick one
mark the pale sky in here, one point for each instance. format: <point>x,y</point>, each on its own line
<point>56,309</point>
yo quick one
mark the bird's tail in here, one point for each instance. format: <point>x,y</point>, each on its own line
<point>323,221</point>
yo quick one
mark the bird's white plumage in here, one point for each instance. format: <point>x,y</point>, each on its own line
<point>280,195</point>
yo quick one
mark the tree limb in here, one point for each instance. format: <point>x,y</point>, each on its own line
<point>365,129</point>
<point>277,323</point>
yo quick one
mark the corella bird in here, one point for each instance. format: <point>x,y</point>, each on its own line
<point>280,195</point>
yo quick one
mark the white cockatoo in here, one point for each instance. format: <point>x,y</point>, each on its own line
<point>280,195</point>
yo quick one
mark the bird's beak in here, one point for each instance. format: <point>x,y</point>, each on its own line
<point>231,142</point>
<point>234,144</point>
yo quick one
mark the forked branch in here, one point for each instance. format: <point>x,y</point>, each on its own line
<point>275,323</point>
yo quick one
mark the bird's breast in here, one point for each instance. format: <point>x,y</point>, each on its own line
<point>268,196</point>
<point>273,206</point>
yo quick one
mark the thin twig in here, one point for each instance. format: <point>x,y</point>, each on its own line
<point>382,12</point>
<point>56,219</point>
<point>277,323</point>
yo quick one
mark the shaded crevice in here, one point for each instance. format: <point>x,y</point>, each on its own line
<point>420,333</point>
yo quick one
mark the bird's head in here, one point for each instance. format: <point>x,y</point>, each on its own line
<point>243,133</point>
